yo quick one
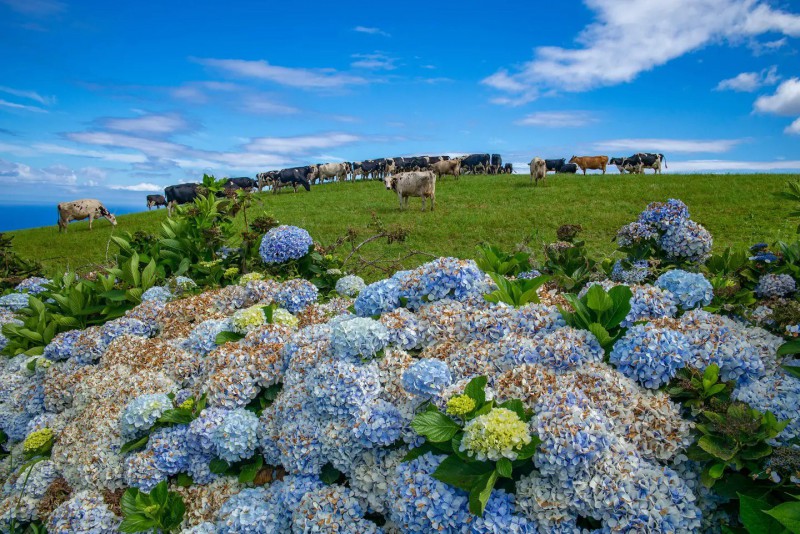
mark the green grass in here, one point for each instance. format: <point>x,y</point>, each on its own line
<point>738,209</point>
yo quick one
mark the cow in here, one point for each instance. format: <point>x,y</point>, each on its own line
<point>389,167</point>
<point>443,167</point>
<point>241,183</point>
<point>508,168</point>
<point>265,178</point>
<point>475,163</point>
<point>590,162</point>
<point>630,165</point>
<point>78,210</point>
<point>568,168</point>
<point>413,184</point>
<point>180,194</point>
<point>651,161</point>
<point>555,164</point>
<point>336,171</point>
<point>538,170</point>
<point>156,200</point>
<point>496,164</point>
<point>294,176</point>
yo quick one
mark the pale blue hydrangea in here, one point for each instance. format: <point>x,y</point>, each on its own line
<point>284,243</point>
<point>296,294</point>
<point>536,319</point>
<point>236,438</point>
<point>89,346</point>
<point>403,328</point>
<point>377,298</point>
<point>427,377</point>
<point>635,233</point>
<point>340,388</point>
<point>60,348</point>
<point>198,467</point>
<point>440,279</point>
<point>124,326</point>
<point>14,301</point>
<point>359,338</point>
<point>203,338</point>
<point>567,349</point>
<point>183,284</point>
<point>142,413</point>
<point>350,285</point>
<point>206,527</point>
<point>200,436</point>
<point>283,498</point>
<point>650,355</point>
<point>778,393</point>
<point>378,424</point>
<point>529,275</point>
<point>169,448</point>
<point>13,422</point>
<point>33,285</point>
<point>140,471</point>
<point>688,241</point>
<point>246,512</point>
<point>84,513</point>
<point>637,273</point>
<point>665,215</point>
<point>336,508</point>
<point>649,302</point>
<point>775,285</point>
<point>157,294</point>
<point>292,440</point>
<point>691,290</point>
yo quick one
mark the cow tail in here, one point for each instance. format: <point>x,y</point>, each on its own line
<point>663,157</point>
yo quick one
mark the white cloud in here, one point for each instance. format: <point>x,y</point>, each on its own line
<point>721,165</point>
<point>557,119</point>
<point>36,8</point>
<point>119,157</point>
<point>371,31</point>
<point>148,124</point>
<point>374,61</point>
<point>668,145</point>
<point>198,92</point>
<point>767,47</point>
<point>13,105</point>
<point>293,77</point>
<point>301,143</point>
<point>748,82</point>
<point>31,95</point>
<point>141,186</point>
<point>785,101</point>
<point>265,105</point>
<point>20,173</point>
<point>634,36</point>
<point>793,128</point>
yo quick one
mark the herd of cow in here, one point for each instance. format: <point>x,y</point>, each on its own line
<point>407,176</point>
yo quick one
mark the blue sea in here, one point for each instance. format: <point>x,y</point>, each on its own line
<point>18,216</point>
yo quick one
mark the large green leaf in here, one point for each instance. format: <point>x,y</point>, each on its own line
<point>752,516</point>
<point>225,337</point>
<point>504,467</point>
<point>480,493</point>
<point>598,300</point>
<point>790,347</point>
<point>248,472</point>
<point>476,390</point>
<point>128,502</point>
<point>137,523</point>
<point>159,493</point>
<point>460,474</point>
<point>788,515</point>
<point>435,426</point>
<point>718,447</point>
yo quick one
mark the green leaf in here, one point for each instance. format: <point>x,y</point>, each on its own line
<point>480,493</point>
<point>329,474</point>
<point>128,502</point>
<point>178,416</point>
<point>504,467</point>
<point>516,406</point>
<point>218,467</point>
<point>225,337</point>
<point>752,516</point>
<point>716,470</point>
<point>602,335</point>
<point>476,390</point>
<point>788,515</point>
<point>759,450</point>
<point>530,449</point>
<point>137,523</point>
<point>459,474</point>
<point>435,426</point>
<point>711,374</point>
<point>268,312</point>
<point>621,295</point>
<point>790,347</point>
<point>792,370</point>
<point>175,510</point>
<point>159,493</point>
<point>183,480</point>
<point>717,447</point>
<point>135,444</point>
<point>249,471</point>
<point>598,300</point>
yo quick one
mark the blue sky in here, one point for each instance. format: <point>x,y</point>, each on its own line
<point>112,100</point>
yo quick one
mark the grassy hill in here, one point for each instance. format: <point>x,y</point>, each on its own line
<point>738,209</point>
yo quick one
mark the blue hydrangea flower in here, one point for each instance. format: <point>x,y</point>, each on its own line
<point>439,279</point>
<point>764,257</point>
<point>14,301</point>
<point>778,393</point>
<point>33,285</point>
<point>775,285</point>
<point>142,413</point>
<point>206,527</point>
<point>688,241</point>
<point>649,302</point>
<point>691,290</point>
<point>350,285</point>
<point>200,437</point>
<point>635,233</point>
<point>535,319</point>
<point>427,377</point>
<point>359,338</point>
<point>284,243</point>
<point>124,326</point>
<point>60,348</point>
<point>283,498</point>
<point>198,467</point>
<point>236,437</point>
<point>567,349</point>
<point>183,283</point>
<point>340,388</point>
<point>638,272</point>
<point>140,471</point>
<point>246,512</point>
<point>665,215</point>
<point>203,338</point>
<point>650,355</point>
<point>333,506</point>
<point>169,448</point>
<point>378,424</point>
<point>157,294</point>
<point>13,422</point>
<point>377,298</point>
<point>84,513</point>
<point>529,275</point>
<point>294,295</point>
<point>403,328</point>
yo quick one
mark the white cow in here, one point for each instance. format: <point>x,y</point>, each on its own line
<point>413,184</point>
<point>78,210</point>
<point>338,171</point>
<point>538,170</point>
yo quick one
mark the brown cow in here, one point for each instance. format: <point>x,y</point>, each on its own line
<point>448,166</point>
<point>590,162</point>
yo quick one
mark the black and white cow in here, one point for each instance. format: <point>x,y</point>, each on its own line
<point>555,164</point>
<point>294,177</point>
<point>78,210</point>
<point>508,168</point>
<point>241,183</point>
<point>156,200</point>
<point>629,165</point>
<point>476,163</point>
<point>651,161</point>
<point>496,164</point>
<point>180,194</point>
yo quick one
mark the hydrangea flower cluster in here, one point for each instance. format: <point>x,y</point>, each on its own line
<point>350,285</point>
<point>377,298</point>
<point>650,355</point>
<point>427,377</point>
<point>203,339</point>
<point>248,319</point>
<point>665,215</point>
<point>284,243</point>
<point>282,316</point>
<point>497,434</point>
<point>157,294</point>
<point>691,290</point>
<point>775,285</point>
<point>635,233</point>
<point>33,285</point>
<point>84,513</point>
<point>638,272</point>
<point>142,413</point>
<point>358,338</point>
<point>440,279</point>
<point>296,294</point>
<point>529,275</point>
<point>13,301</point>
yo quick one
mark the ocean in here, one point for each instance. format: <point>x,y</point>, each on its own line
<point>19,216</point>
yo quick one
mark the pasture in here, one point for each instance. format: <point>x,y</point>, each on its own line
<point>738,209</point>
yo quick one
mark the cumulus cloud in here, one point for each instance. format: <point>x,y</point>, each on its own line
<point>557,119</point>
<point>301,78</point>
<point>793,128</point>
<point>371,31</point>
<point>669,145</point>
<point>20,173</point>
<point>785,101</point>
<point>141,186</point>
<point>748,82</point>
<point>631,37</point>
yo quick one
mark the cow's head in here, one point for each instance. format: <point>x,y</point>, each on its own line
<point>572,159</point>
<point>390,182</point>
<point>107,214</point>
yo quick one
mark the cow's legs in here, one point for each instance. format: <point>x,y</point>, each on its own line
<point>91,218</point>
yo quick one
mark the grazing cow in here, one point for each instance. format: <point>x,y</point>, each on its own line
<point>241,183</point>
<point>629,165</point>
<point>568,168</point>
<point>538,170</point>
<point>180,194</point>
<point>337,171</point>
<point>590,162</point>
<point>78,210</point>
<point>413,184</point>
<point>651,161</point>
<point>475,163</point>
<point>294,176</point>
<point>156,200</point>
<point>555,164</point>
<point>265,178</point>
<point>444,167</point>
<point>508,168</point>
<point>496,164</point>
